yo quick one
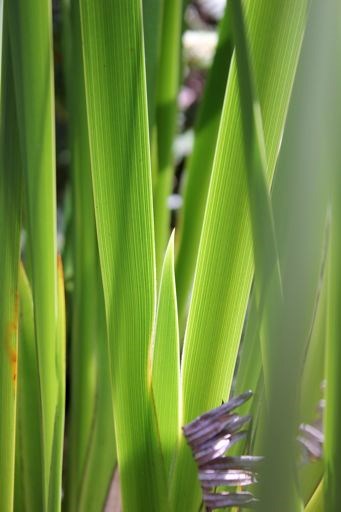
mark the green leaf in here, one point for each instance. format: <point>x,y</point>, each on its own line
<point>29,475</point>
<point>299,202</point>
<point>313,376</point>
<point>284,335</point>
<point>224,268</point>
<point>88,335</point>
<point>166,108</point>
<point>92,451</point>
<point>115,88</point>
<point>10,220</point>
<point>101,450</point>
<point>316,502</point>
<point>330,130</point>
<point>264,242</point>
<point>250,360</point>
<point>55,492</point>
<point>152,25</point>
<point>166,361</point>
<point>199,166</point>
<point>31,46</point>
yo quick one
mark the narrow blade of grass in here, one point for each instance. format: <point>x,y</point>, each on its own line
<point>166,361</point>
<point>55,491</point>
<point>199,167</point>
<point>166,108</point>
<point>112,36</point>
<point>10,221</point>
<point>100,459</point>
<point>29,475</point>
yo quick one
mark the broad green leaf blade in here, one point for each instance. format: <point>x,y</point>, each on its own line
<point>10,221</point>
<point>224,268</point>
<point>86,273</point>
<point>166,108</point>
<point>29,473</point>
<point>31,46</point>
<point>115,89</point>
<point>92,454</point>
<point>166,361</point>
<point>198,173</point>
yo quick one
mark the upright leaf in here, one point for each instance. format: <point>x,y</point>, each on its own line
<point>224,268</point>
<point>199,166</point>
<point>166,361</point>
<point>166,107</point>
<point>271,302</point>
<point>10,220</point>
<point>92,451</point>
<point>330,69</point>
<point>299,201</point>
<point>31,46</point>
<point>29,475</point>
<point>100,461</point>
<point>152,25</point>
<point>55,491</point>
<point>120,163</point>
<point>88,435</point>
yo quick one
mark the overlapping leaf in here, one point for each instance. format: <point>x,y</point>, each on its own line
<point>115,88</point>
<point>10,222</point>
<point>224,269</point>
<point>31,47</point>
<point>166,361</point>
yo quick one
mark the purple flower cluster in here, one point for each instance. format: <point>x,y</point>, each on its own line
<point>210,436</point>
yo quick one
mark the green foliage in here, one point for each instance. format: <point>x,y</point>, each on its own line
<point>101,368</point>
<point>121,176</point>
<point>31,49</point>
<point>10,219</point>
<point>166,377</point>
